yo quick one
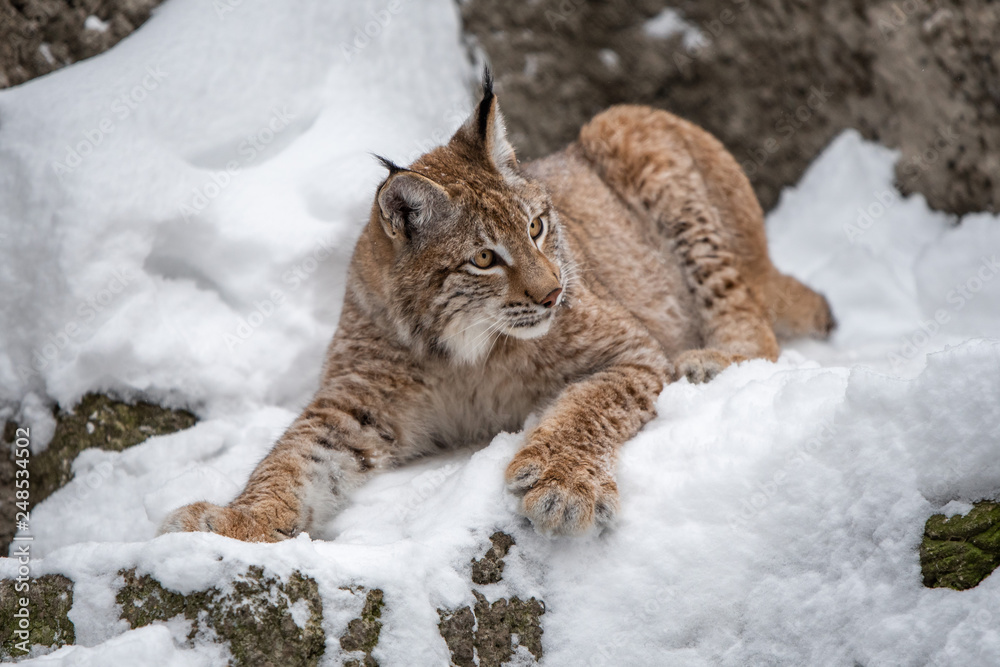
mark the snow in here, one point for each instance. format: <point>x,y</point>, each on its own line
<point>95,23</point>
<point>771,516</point>
<point>670,22</point>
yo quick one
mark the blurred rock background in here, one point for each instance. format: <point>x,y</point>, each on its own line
<point>40,36</point>
<point>775,80</point>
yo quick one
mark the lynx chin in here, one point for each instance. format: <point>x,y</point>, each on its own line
<point>483,290</point>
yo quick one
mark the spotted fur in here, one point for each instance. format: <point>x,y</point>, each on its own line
<point>651,265</point>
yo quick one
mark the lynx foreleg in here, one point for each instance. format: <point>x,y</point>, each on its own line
<point>304,481</point>
<point>565,472</point>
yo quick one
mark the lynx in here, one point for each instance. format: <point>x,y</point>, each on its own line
<point>482,290</point>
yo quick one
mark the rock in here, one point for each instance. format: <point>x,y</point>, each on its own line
<point>40,36</point>
<point>49,600</point>
<point>98,421</point>
<point>488,634</point>
<point>488,630</point>
<point>960,552</point>
<point>261,619</point>
<point>775,82</point>
<point>363,632</point>
<point>489,568</point>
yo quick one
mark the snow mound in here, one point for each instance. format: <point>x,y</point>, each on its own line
<point>182,230</point>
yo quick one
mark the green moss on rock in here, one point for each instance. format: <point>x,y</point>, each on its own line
<point>97,421</point>
<point>50,598</point>
<point>260,618</point>
<point>960,552</point>
<point>485,634</point>
<point>363,632</point>
<point>102,422</point>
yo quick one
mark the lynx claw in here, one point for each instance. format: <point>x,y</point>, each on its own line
<point>562,498</point>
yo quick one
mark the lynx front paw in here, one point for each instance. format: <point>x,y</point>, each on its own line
<point>205,517</point>
<point>562,496</point>
<point>703,365</point>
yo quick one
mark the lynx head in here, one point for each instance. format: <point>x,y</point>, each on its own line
<point>468,248</point>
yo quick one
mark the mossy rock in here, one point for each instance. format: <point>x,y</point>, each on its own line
<point>960,552</point>
<point>49,598</point>
<point>484,634</point>
<point>97,421</point>
<point>489,568</point>
<point>487,631</point>
<point>266,621</point>
<point>363,632</point>
<point>104,423</point>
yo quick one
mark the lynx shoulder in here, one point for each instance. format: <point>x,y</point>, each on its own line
<point>482,290</point>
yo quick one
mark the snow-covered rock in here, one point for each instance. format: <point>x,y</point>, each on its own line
<point>175,220</point>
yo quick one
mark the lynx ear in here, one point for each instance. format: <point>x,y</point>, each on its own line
<point>407,201</point>
<point>487,127</point>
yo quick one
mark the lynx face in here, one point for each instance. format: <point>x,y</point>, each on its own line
<point>477,252</point>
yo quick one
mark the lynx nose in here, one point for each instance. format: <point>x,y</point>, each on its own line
<point>551,299</point>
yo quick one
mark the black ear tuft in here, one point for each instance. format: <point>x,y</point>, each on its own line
<point>484,105</point>
<point>487,81</point>
<point>389,164</point>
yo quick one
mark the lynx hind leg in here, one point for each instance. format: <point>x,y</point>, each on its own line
<point>643,154</point>
<point>796,310</point>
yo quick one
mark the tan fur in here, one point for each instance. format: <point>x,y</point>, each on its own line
<point>656,242</point>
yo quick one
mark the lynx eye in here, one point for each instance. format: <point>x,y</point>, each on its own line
<point>484,259</point>
<point>536,227</point>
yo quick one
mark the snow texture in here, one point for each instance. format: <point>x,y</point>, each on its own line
<point>670,22</point>
<point>771,516</point>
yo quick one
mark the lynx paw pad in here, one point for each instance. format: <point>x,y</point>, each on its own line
<point>562,497</point>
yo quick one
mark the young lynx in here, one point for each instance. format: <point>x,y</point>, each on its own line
<point>482,290</point>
